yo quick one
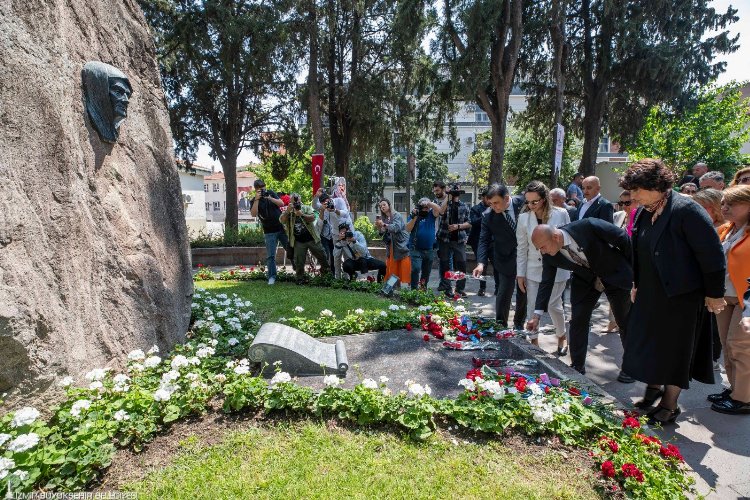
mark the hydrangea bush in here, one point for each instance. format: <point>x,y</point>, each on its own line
<point>109,409</point>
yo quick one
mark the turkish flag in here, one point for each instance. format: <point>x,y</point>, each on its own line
<point>317,172</point>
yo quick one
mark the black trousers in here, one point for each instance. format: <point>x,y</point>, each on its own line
<point>519,315</point>
<point>351,266</point>
<point>328,249</point>
<point>584,298</point>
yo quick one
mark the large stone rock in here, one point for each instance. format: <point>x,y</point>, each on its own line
<point>94,255</point>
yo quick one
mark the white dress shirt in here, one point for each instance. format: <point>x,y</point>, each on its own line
<point>586,205</point>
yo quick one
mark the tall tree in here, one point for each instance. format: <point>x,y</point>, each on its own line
<point>229,75</point>
<point>630,55</point>
<point>479,43</point>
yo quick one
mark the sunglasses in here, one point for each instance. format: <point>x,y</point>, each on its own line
<point>626,203</point>
<point>533,203</point>
<point>743,180</point>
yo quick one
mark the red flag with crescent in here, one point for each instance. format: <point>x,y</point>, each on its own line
<point>317,172</point>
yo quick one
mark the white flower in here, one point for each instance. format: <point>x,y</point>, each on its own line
<point>96,386</point>
<point>6,464</point>
<point>299,309</point>
<point>135,367</point>
<point>4,438</point>
<point>393,307</point>
<point>417,390</point>
<point>384,379</point>
<point>121,415</point>
<point>331,381</point>
<point>427,389</point>
<point>467,384</point>
<point>22,475</point>
<point>220,377</point>
<point>24,442</point>
<point>280,378</point>
<point>162,394</point>
<point>494,388</point>
<point>383,313</point>
<point>194,360</point>
<point>213,342</point>
<point>369,383</point>
<point>65,382</point>
<point>96,374</point>
<point>282,320</point>
<point>386,391</point>
<point>152,362</point>
<point>170,376</point>
<point>233,342</point>
<point>154,349</point>
<point>359,311</point>
<point>121,379</point>
<point>326,312</point>
<point>136,355</point>
<point>78,406</point>
<point>242,369</point>
<point>179,361</point>
<point>192,376</point>
<point>24,416</point>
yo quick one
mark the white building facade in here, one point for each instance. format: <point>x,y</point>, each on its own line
<point>215,190</point>
<point>193,196</point>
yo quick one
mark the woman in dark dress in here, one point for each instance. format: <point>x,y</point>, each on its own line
<point>679,267</point>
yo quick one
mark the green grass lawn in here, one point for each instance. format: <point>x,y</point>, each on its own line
<point>279,300</point>
<point>309,460</point>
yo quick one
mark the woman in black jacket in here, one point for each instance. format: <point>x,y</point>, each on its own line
<point>678,267</point>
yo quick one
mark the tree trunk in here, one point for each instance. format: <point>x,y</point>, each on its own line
<point>313,88</point>
<point>411,162</point>
<point>557,34</point>
<point>229,165</point>
<point>499,129</point>
<point>592,128</point>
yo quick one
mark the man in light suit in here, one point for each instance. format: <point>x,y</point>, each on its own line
<point>599,254</point>
<point>595,204</point>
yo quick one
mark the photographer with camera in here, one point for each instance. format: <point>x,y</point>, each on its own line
<point>299,223</point>
<point>333,211</point>
<point>421,225</point>
<point>452,235</point>
<point>352,249</point>
<point>266,206</point>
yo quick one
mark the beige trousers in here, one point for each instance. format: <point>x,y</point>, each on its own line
<point>736,346</point>
<point>555,307</point>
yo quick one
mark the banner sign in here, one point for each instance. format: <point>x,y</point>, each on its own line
<point>560,137</point>
<point>317,172</point>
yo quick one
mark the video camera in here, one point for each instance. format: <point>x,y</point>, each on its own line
<point>456,190</point>
<point>296,203</point>
<point>421,211</point>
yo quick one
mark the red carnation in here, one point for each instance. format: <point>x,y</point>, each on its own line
<point>605,442</point>
<point>631,470</point>
<point>671,451</point>
<point>507,378</point>
<point>575,391</point>
<point>474,374</point>
<point>608,469</point>
<point>521,384</point>
<point>201,265</point>
<point>426,337</point>
<point>546,390</point>
<point>631,422</point>
<point>409,327</point>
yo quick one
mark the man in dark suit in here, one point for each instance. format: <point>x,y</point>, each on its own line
<point>599,254</point>
<point>595,205</point>
<point>498,238</point>
<point>475,217</point>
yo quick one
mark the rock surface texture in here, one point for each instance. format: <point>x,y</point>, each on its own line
<point>94,253</point>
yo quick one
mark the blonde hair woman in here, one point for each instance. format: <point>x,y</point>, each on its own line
<point>742,176</point>
<point>538,209</point>
<point>710,200</point>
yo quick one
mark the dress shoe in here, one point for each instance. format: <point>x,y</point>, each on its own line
<point>652,394</point>
<point>731,407</point>
<point>562,351</point>
<point>579,369</point>
<point>481,293</point>
<point>663,416</point>
<point>463,294</point>
<point>717,398</point>
<point>625,378</point>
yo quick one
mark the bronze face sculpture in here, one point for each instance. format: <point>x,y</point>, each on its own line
<point>107,91</point>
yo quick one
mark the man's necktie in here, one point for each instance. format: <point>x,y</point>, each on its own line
<point>575,257</point>
<point>510,220</point>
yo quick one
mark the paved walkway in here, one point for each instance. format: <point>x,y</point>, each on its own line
<point>716,446</point>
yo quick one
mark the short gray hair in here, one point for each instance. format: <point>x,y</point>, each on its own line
<point>714,175</point>
<point>558,192</point>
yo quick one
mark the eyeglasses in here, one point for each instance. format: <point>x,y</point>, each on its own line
<point>744,180</point>
<point>533,203</point>
<point>626,203</point>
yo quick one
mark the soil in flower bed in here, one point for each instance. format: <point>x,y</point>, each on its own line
<point>247,457</point>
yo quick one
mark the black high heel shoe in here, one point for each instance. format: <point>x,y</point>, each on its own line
<point>663,416</point>
<point>652,394</point>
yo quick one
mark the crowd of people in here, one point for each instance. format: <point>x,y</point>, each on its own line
<point>672,259</point>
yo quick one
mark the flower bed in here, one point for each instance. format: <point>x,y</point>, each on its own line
<point>127,409</point>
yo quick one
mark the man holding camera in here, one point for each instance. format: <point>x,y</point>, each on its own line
<point>421,225</point>
<point>352,249</point>
<point>452,236</point>
<point>333,212</point>
<point>299,223</point>
<point>266,206</point>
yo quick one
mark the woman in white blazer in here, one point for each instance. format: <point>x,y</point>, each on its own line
<point>538,209</point>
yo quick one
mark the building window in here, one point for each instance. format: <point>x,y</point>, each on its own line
<point>399,202</point>
<point>217,206</point>
<point>205,188</point>
<point>208,206</point>
<point>604,144</point>
<point>215,187</point>
<point>481,117</point>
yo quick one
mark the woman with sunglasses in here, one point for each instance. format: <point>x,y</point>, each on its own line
<point>742,176</point>
<point>538,209</point>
